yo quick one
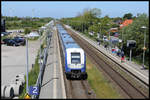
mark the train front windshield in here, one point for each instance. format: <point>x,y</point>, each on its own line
<point>75,58</point>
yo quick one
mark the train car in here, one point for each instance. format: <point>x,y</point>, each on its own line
<point>74,55</point>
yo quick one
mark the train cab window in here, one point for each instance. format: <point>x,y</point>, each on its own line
<point>75,58</point>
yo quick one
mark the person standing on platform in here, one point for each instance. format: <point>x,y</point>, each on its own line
<point>122,56</point>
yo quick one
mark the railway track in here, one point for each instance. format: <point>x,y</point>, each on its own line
<point>79,89</point>
<point>95,56</point>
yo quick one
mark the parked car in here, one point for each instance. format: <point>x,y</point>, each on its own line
<point>12,43</point>
<point>5,33</point>
<point>6,40</point>
<point>20,40</point>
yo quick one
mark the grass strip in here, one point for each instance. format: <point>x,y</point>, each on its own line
<point>33,39</point>
<point>33,74</point>
<point>101,86</point>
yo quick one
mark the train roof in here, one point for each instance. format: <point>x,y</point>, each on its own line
<point>68,41</point>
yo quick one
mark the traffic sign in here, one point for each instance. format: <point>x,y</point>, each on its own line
<point>34,90</point>
<point>27,96</point>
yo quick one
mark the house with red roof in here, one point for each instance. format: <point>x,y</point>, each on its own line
<point>126,23</point>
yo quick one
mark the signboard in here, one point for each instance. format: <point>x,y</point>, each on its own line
<point>34,90</point>
<point>131,43</point>
<point>27,96</point>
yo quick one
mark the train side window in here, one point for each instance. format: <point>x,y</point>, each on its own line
<point>75,58</point>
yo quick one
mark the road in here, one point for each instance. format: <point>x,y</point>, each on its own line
<point>14,60</point>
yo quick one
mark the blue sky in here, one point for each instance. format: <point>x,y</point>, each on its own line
<point>61,9</point>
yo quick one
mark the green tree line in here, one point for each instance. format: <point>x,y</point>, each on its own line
<point>17,22</point>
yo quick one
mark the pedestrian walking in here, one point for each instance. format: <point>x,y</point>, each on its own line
<point>98,42</point>
<point>119,52</point>
<point>122,56</point>
<point>105,46</point>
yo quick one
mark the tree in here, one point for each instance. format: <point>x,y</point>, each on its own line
<point>96,12</point>
<point>135,32</point>
<point>115,25</point>
<point>105,25</point>
<point>27,31</point>
<point>127,16</point>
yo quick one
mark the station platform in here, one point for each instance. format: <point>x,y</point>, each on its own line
<point>53,83</point>
<point>131,66</point>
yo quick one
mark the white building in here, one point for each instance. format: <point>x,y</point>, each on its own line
<point>33,34</point>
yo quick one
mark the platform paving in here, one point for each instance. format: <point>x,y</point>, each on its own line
<point>53,83</point>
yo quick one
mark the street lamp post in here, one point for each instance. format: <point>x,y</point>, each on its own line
<point>99,33</point>
<point>82,27</point>
<point>40,59</point>
<point>130,54</point>
<point>122,40</point>
<point>109,38</point>
<point>144,27</point>
<point>27,86</point>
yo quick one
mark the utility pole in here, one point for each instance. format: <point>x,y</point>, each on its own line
<point>109,37</point>
<point>144,48</point>
<point>99,34</point>
<point>122,40</point>
<point>130,53</point>
<point>40,60</point>
<point>131,44</point>
<point>27,85</point>
<point>82,26</point>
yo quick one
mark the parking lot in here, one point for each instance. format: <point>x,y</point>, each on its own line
<point>14,60</point>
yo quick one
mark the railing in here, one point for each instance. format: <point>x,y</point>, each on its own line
<point>43,60</point>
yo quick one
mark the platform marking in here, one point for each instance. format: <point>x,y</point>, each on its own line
<point>54,74</point>
<point>61,72</point>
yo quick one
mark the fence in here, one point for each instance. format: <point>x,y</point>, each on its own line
<point>43,60</point>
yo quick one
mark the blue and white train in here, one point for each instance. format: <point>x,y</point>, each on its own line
<point>75,58</point>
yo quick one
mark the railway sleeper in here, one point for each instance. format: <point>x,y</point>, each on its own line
<point>76,75</point>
